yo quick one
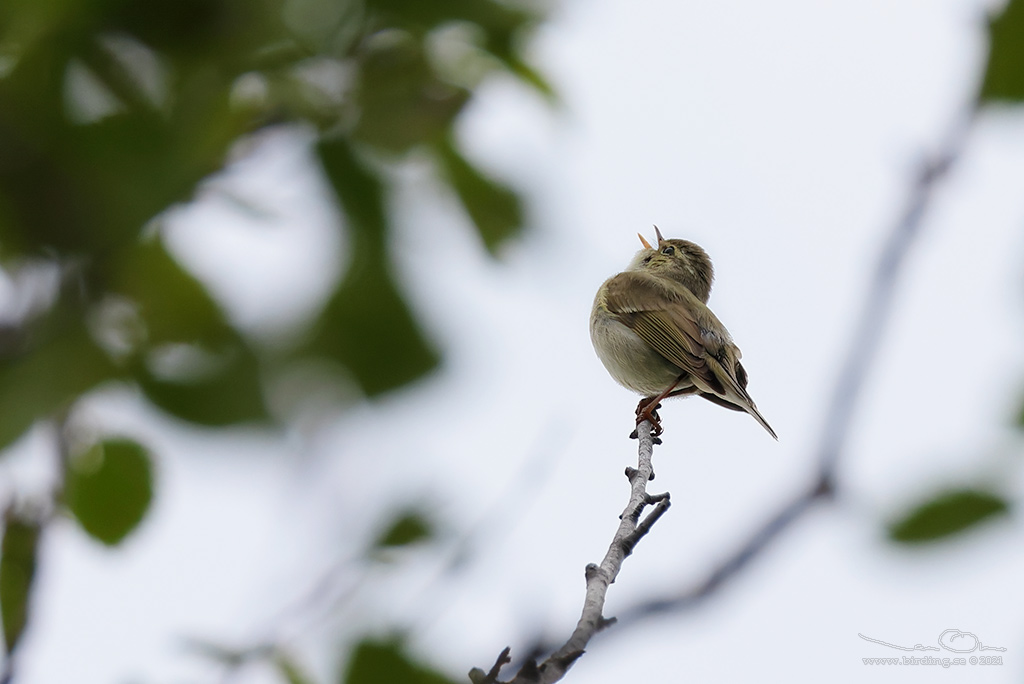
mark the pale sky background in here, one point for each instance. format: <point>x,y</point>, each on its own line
<point>780,136</point>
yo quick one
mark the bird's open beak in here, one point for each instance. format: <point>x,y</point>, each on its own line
<point>658,233</point>
<point>644,241</point>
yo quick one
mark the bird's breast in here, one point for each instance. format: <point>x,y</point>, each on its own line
<point>627,358</point>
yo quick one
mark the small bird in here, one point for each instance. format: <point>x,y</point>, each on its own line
<point>653,331</point>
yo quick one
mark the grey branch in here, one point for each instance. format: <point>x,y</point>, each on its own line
<point>632,528</point>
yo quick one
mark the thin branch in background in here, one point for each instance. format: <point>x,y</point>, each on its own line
<point>329,596</point>
<point>344,579</point>
<point>632,528</point>
<point>520,493</point>
<point>881,294</point>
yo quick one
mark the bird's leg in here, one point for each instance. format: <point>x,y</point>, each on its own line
<point>647,409</point>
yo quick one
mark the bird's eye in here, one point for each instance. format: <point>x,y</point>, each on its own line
<point>669,251</point>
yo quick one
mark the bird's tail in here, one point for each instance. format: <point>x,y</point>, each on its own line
<point>752,410</point>
<point>741,402</point>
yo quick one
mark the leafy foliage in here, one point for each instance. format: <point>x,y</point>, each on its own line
<point>290,670</point>
<point>52,372</point>
<point>17,570</point>
<point>367,326</point>
<point>408,527</point>
<point>494,208</point>
<point>1004,75</point>
<point>947,514</point>
<point>113,112</point>
<point>109,489</point>
<point>110,113</point>
<point>376,661</point>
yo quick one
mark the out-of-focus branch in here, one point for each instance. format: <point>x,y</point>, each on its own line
<point>878,301</point>
<point>599,577</point>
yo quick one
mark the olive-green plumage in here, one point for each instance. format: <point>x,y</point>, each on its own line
<point>652,329</point>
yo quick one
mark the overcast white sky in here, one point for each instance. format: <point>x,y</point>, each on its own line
<point>780,136</point>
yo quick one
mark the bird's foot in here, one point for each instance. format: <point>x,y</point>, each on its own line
<point>647,410</point>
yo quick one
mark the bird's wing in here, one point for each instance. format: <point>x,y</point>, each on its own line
<point>677,325</point>
<point>665,316</point>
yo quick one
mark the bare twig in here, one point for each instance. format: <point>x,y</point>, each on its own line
<point>599,577</point>
<point>477,676</point>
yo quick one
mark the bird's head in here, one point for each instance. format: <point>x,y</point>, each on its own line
<point>680,260</point>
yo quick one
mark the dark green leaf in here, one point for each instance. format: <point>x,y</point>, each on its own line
<point>494,208</point>
<point>360,193</point>
<point>17,570</point>
<point>216,31</point>
<point>174,306</point>
<point>377,662</point>
<point>489,15</point>
<point>227,392</point>
<point>74,179</point>
<point>531,76</point>
<point>402,103</point>
<point>75,188</point>
<point>407,528</point>
<point>500,23</point>
<point>367,326</point>
<point>1004,75</point>
<point>109,488</point>
<point>948,513</point>
<point>38,383</point>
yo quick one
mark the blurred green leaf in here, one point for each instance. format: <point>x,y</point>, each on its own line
<point>494,208</point>
<point>408,527</point>
<point>227,393</point>
<point>214,31</point>
<point>402,103</point>
<point>531,76</point>
<point>946,514</point>
<point>109,489</point>
<point>173,304</point>
<point>377,662</point>
<point>359,191</point>
<point>176,308</point>
<point>85,187</point>
<point>502,25</point>
<point>78,186</point>
<point>368,328</point>
<point>71,184</point>
<point>291,671</point>
<point>17,570</point>
<point>1004,75</point>
<point>38,383</point>
<point>489,15</point>
<point>366,325</point>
